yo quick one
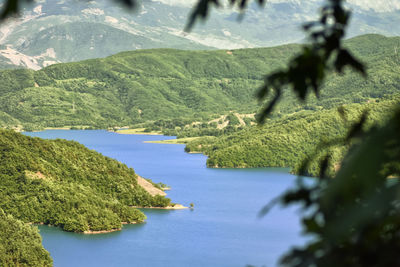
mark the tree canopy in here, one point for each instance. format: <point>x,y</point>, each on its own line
<point>354,218</point>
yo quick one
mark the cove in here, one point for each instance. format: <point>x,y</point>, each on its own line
<point>222,230</point>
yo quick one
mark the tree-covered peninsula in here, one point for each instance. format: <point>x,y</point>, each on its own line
<point>62,183</point>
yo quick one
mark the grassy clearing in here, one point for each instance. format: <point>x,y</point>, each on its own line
<point>174,141</point>
<point>138,131</point>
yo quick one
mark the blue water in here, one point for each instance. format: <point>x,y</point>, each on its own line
<point>222,230</point>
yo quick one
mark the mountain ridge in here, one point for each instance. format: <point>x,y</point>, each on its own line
<point>158,25</point>
<point>145,85</point>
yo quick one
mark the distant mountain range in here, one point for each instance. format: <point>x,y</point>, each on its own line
<point>148,85</point>
<point>52,31</point>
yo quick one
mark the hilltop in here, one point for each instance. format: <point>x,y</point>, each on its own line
<point>148,85</point>
<point>49,32</point>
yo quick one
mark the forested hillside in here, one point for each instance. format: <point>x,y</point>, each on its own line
<point>381,58</point>
<point>287,141</point>
<point>62,183</point>
<point>136,86</point>
<point>21,244</point>
<point>139,86</point>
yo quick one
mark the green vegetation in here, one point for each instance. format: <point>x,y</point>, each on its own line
<point>150,85</point>
<point>178,93</point>
<point>354,215</point>
<point>21,244</point>
<point>184,140</point>
<point>62,183</point>
<point>138,131</point>
<point>131,87</point>
<point>233,120</point>
<point>285,142</point>
<point>159,185</point>
<point>210,126</point>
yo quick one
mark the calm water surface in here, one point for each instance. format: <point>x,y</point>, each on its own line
<point>222,230</point>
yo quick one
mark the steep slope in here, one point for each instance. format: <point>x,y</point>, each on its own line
<point>145,85</point>
<point>62,183</point>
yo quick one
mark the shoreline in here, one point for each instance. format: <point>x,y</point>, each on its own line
<point>163,142</point>
<point>118,130</point>
<point>137,131</point>
<point>179,141</point>
<point>88,232</point>
<point>176,141</point>
<point>175,207</point>
<point>91,232</point>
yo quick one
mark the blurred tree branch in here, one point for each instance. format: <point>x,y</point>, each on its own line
<point>306,72</point>
<point>355,217</point>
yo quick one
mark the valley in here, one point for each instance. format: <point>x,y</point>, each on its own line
<point>94,98</point>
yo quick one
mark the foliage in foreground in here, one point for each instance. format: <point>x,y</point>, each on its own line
<point>353,217</point>
<point>62,183</point>
<point>21,244</point>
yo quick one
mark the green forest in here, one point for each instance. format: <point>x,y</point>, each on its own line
<point>149,85</point>
<point>21,244</point>
<point>286,141</point>
<point>62,183</point>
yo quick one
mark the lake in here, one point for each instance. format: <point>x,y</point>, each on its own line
<point>223,229</point>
